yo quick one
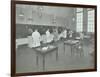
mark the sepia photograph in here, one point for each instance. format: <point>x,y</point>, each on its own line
<point>51,37</point>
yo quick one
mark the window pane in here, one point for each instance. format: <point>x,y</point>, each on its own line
<point>79,22</point>
<point>79,9</point>
<point>91,21</point>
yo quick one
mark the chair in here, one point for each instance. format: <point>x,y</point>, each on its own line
<point>79,49</point>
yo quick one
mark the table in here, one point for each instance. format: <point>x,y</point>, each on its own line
<point>21,41</point>
<point>45,50</point>
<point>71,43</point>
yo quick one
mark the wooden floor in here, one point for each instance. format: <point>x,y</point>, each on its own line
<point>26,59</point>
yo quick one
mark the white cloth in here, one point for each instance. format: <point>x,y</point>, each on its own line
<point>36,39</point>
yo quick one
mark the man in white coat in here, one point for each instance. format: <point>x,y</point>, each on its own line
<point>36,38</point>
<point>65,33</point>
<point>48,36</point>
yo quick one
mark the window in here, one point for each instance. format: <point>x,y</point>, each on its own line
<point>79,19</point>
<point>90,21</point>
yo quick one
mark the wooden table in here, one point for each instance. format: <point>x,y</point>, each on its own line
<point>71,43</point>
<point>44,52</point>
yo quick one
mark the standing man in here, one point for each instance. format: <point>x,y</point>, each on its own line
<point>36,38</point>
<point>48,36</point>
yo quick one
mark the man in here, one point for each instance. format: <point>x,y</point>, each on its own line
<point>64,34</point>
<point>56,35</point>
<point>70,34</point>
<point>81,35</point>
<point>48,36</point>
<point>36,38</point>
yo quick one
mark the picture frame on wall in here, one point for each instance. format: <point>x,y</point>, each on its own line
<point>52,38</point>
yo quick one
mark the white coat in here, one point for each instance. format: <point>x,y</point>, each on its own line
<point>36,39</point>
<point>48,36</point>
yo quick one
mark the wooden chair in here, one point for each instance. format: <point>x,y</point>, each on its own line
<point>79,49</point>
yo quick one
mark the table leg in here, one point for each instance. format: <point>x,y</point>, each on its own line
<point>57,54</point>
<point>81,52</point>
<point>71,49</point>
<point>64,48</point>
<point>37,59</point>
<point>43,62</point>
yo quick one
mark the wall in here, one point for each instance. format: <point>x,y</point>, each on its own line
<point>32,15</point>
